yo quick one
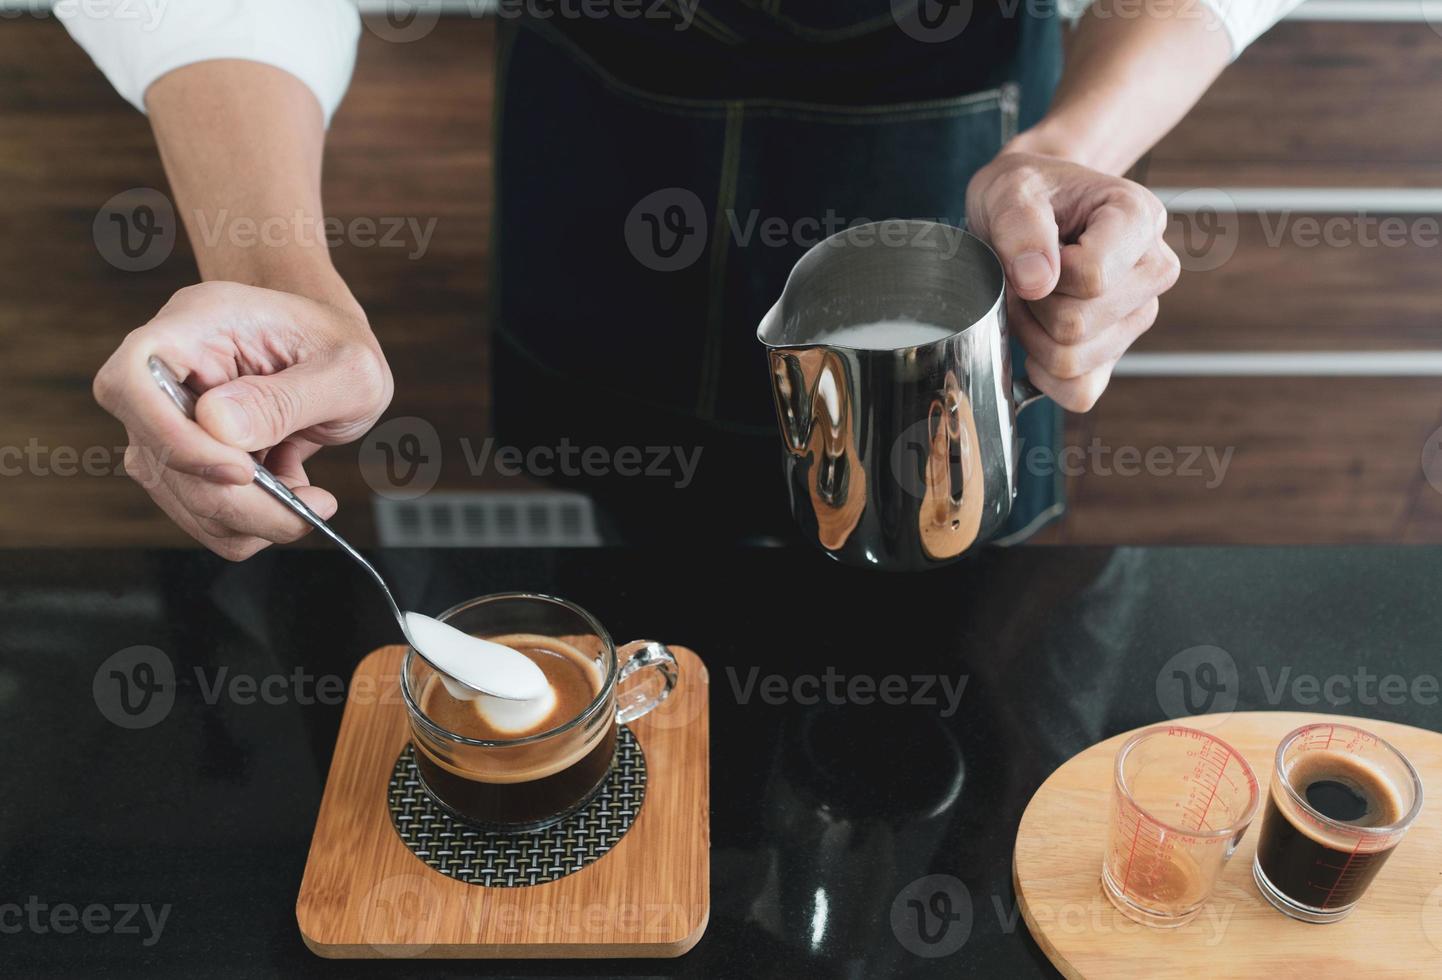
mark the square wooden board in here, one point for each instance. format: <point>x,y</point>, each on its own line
<point>366,895</point>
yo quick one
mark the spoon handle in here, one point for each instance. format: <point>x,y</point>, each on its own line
<point>184,400</point>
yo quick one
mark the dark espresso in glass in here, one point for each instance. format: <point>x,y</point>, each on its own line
<point>540,783</point>
<point>1308,861</point>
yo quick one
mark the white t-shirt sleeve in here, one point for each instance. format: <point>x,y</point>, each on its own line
<point>1247,20</point>
<point>133,44</point>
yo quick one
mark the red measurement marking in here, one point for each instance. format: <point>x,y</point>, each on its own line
<point>1202,821</point>
<point>1127,875</point>
<point>1342,874</point>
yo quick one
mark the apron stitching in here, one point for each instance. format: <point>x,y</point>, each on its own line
<point>844,115</point>
<point>725,200</point>
<point>991,102</point>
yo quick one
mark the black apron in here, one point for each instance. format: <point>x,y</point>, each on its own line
<point>657,177</point>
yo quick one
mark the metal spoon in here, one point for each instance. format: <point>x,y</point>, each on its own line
<point>184,400</point>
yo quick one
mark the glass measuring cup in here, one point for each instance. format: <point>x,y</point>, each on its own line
<point>1181,801</point>
<point>1315,865</point>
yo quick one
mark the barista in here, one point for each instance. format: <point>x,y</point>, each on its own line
<point>646,156</point>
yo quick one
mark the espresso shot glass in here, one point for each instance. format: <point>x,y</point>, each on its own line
<point>1341,800</point>
<point>1182,800</point>
<point>534,781</point>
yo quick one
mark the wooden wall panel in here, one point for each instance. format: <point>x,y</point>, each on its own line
<point>1285,287</point>
<point>1316,104</point>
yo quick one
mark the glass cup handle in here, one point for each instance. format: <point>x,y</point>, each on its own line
<point>635,700</point>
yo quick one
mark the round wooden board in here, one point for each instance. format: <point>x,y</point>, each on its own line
<point>1395,931</point>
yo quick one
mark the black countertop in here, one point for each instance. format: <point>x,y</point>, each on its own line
<point>823,813</point>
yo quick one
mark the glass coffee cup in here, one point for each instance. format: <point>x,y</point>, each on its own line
<point>530,782</point>
<point>1341,801</point>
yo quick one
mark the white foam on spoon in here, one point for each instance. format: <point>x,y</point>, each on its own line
<point>524,692</point>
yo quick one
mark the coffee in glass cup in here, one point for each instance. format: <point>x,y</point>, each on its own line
<point>1341,801</point>
<point>522,766</point>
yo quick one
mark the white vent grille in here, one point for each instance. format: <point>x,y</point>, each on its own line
<point>534,519</point>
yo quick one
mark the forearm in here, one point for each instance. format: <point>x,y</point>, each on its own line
<point>1129,78</point>
<point>242,145</point>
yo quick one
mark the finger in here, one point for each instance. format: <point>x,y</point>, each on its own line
<point>124,388</point>
<point>1021,226</point>
<point>257,411</point>
<point>1117,233</point>
<point>222,511</point>
<point>1072,320</point>
<point>1069,361</point>
<point>287,460</point>
<point>229,546</point>
<point>1072,394</point>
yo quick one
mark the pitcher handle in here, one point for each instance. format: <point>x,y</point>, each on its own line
<point>635,700</point>
<point>1024,393</point>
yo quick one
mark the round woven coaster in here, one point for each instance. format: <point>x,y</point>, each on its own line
<point>479,857</point>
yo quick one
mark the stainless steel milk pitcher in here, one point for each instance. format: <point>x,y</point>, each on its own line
<point>896,456</point>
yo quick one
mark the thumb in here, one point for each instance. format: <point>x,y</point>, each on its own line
<point>1023,231</point>
<point>259,411</point>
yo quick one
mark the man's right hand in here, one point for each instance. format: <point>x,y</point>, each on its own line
<point>278,376</point>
